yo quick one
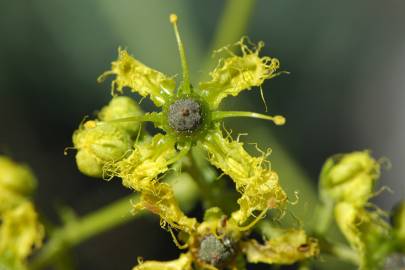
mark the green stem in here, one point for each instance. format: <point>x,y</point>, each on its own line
<point>84,228</point>
<point>213,190</point>
<point>323,218</point>
<point>342,252</point>
<point>77,231</point>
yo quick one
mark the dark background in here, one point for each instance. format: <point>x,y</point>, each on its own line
<point>345,92</point>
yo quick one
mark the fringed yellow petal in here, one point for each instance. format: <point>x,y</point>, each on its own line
<point>290,247</point>
<point>253,176</point>
<point>140,78</point>
<point>20,231</point>
<point>365,231</point>
<point>184,262</point>
<point>141,168</point>
<point>148,159</point>
<point>159,199</point>
<point>237,73</point>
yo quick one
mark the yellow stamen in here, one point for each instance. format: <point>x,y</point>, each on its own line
<point>186,78</point>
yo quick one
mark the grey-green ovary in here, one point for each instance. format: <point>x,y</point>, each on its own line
<point>185,115</point>
<point>215,251</point>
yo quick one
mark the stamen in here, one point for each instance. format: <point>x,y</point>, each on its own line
<point>185,88</point>
<point>277,119</point>
<point>154,117</point>
<point>257,219</point>
<point>176,241</point>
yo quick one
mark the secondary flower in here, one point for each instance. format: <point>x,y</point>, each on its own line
<point>348,181</point>
<point>189,117</point>
<point>218,243</point>
<point>20,229</point>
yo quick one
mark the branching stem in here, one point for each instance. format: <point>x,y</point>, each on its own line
<point>84,228</point>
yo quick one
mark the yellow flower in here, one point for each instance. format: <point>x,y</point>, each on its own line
<point>20,229</point>
<point>189,117</point>
<point>347,182</point>
<point>218,243</point>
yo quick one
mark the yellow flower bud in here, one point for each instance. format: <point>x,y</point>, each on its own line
<point>349,177</point>
<point>15,177</point>
<point>98,144</point>
<point>122,107</point>
<point>20,231</point>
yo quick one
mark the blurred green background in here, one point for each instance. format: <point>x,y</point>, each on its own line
<point>345,92</point>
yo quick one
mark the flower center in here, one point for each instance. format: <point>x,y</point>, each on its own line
<point>185,115</point>
<point>215,251</point>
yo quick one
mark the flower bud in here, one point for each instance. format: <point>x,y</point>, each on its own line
<point>98,144</point>
<point>15,177</point>
<point>213,213</point>
<point>122,107</point>
<point>349,177</point>
<point>20,231</point>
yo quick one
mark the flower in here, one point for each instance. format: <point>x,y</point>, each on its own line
<point>20,229</point>
<point>218,243</point>
<point>348,182</point>
<point>189,117</point>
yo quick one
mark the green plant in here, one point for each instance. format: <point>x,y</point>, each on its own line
<point>171,170</point>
